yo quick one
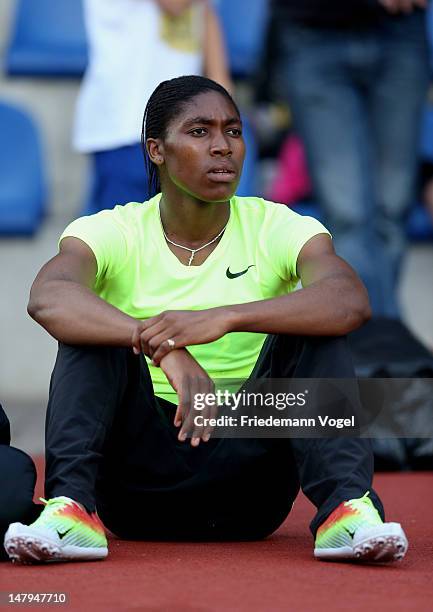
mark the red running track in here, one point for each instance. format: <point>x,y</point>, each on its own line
<point>276,574</point>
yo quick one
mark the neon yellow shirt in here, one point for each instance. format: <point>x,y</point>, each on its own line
<point>137,272</point>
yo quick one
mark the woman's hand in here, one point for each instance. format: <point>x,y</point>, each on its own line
<point>403,6</point>
<point>155,336</point>
<point>174,8</point>
<point>189,380</point>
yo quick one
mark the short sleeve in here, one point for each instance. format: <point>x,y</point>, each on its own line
<point>290,232</point>
<point>105,234</point>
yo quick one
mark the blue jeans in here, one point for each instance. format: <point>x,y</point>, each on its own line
<point>356,98</point>
<point>118,177</point>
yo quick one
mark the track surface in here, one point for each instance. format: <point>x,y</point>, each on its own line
<point>276,574</point>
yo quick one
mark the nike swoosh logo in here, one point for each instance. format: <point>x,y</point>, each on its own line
<point>62,535</point>
<point>237,274</point>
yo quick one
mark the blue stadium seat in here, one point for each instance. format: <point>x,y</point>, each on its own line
<point>426,144</point>
<point>48,39</point>
<point>419,226</point>
<point>23,193</point>
<point>244,23</point>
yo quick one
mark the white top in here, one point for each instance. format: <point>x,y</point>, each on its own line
<point>133,47</point>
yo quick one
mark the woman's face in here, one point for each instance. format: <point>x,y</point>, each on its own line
<point>203,151</point>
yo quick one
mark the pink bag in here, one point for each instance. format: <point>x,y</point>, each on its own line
<point>291,182</point>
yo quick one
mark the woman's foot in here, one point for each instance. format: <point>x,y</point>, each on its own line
<point>355,531</point>
<point>65,531</point>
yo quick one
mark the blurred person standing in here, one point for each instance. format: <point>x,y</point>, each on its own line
<point>133,45</point>
<point>356,75</point>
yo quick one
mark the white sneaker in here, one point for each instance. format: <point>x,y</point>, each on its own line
<point>355,531</point>
<point>63,532</point>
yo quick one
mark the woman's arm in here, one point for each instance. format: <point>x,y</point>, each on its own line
<point>215,56</point>
<point>214,52</point>
<point>333,301</point>
<point>62,301</point>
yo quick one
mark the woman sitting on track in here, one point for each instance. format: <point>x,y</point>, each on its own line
<point>154,298</point>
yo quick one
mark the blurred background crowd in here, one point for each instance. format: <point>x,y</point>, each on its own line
<point>337,107</point>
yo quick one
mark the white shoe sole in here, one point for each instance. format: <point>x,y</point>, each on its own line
<point>381,544</point>
<point>26,545</point>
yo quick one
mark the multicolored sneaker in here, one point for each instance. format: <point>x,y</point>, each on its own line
<point>63,532</point>
<point>355,531</point>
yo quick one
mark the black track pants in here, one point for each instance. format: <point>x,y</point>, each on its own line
<point>111,444</point>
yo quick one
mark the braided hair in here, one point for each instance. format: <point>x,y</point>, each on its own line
<point>164,104</point>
